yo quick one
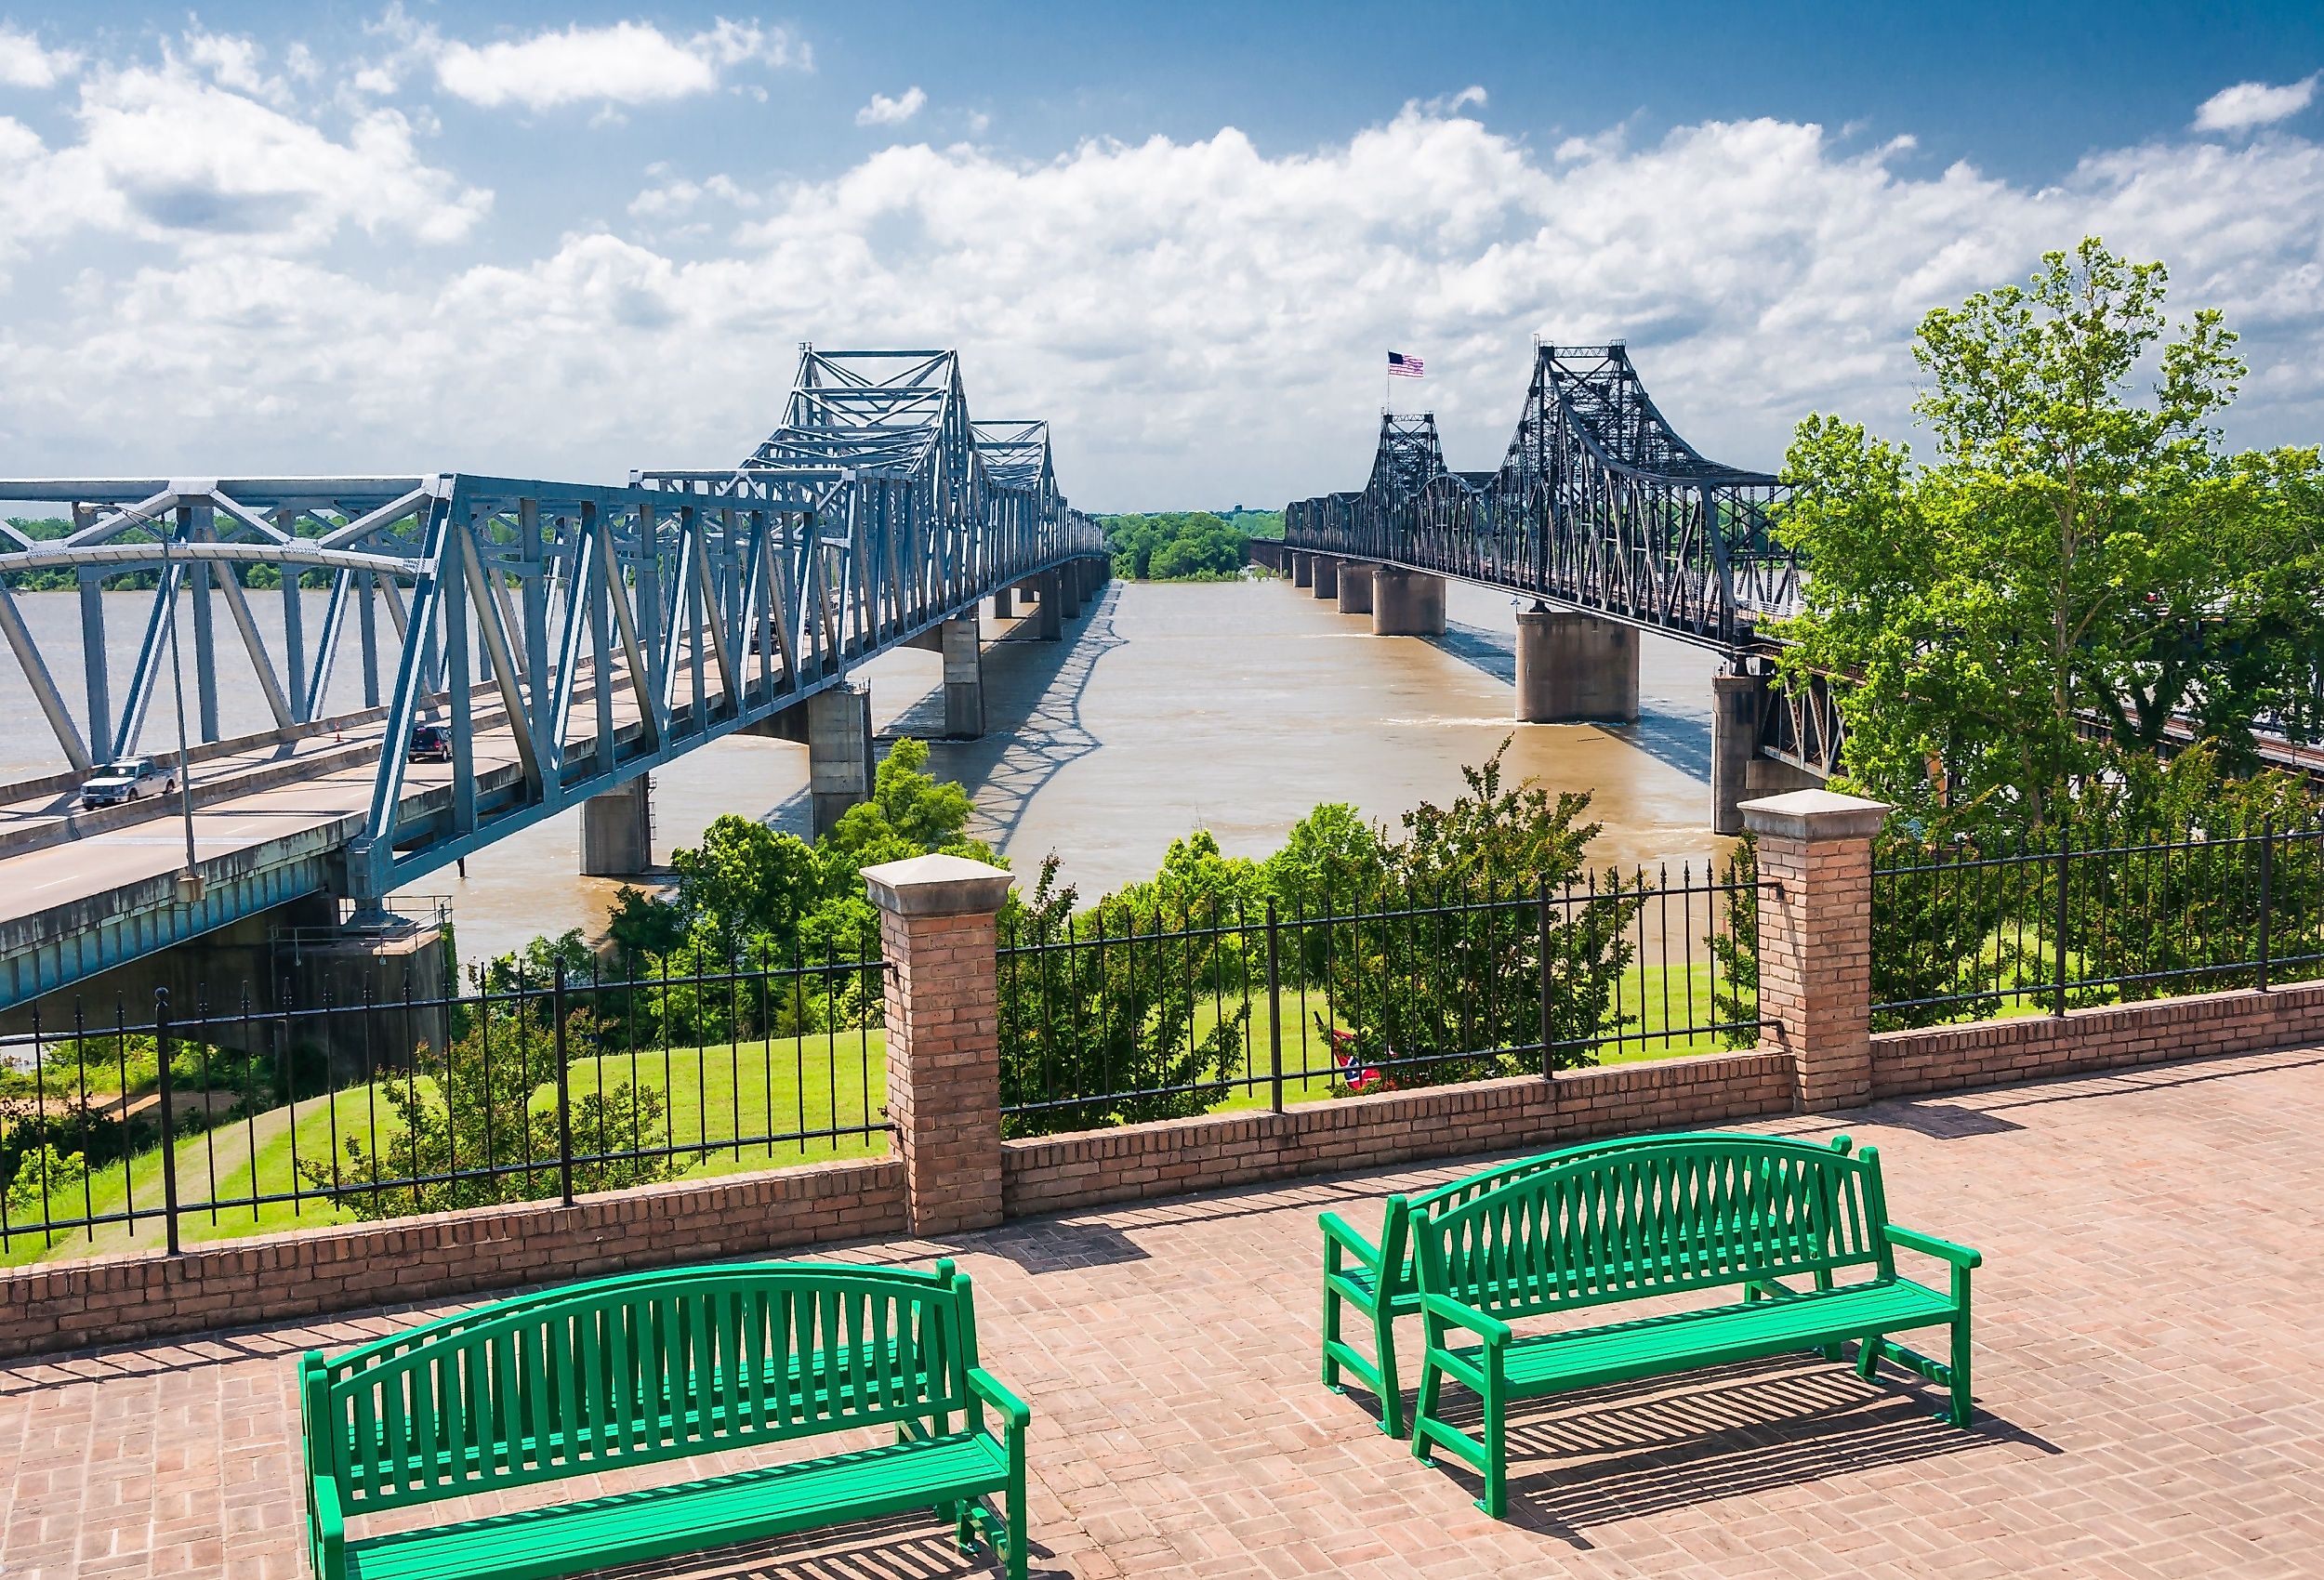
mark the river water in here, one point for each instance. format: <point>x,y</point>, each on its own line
<point>1231,707</point>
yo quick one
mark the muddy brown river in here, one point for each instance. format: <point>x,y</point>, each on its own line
<point>1231,707</point>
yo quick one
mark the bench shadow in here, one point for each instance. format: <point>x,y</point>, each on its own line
<point>1040,1245</point>
<point>902,1547</point>
<point>1944,1120</point>
<point>1602,1457</point>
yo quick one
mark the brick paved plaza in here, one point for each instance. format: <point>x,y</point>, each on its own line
<point>2151,1371</point>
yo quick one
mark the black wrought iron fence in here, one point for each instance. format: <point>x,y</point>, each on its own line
<point>166,1120</point>
<point>1134,1012</point>
<point>1966,935</point>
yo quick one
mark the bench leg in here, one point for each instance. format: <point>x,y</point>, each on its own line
<point>1869,1356</point>
<point>1331,1337</point>
<point>1390,1388</point>
<point>1424,1409</point>
<point>1495,1499</point>
<point>1963,1407</point>
<point>1833,1351</point>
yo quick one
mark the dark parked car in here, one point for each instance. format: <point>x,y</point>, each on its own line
<point>131,779</point>
<point>430,743</point>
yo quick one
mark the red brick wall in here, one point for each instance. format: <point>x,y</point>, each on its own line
<point>1993,1053</point>
<point>308,1272</point>
<point>305,1272</point>
<point>1166,1159</point>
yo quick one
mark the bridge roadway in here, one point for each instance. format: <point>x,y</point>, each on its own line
<point>81,893</point>
<point>875,514</point>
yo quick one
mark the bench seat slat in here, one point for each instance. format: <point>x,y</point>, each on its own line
<point>691,1517</point>
<point>1616,1353</point>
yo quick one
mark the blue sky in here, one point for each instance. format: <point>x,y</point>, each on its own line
<point>577,238</point>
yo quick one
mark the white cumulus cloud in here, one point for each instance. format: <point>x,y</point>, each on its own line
<point>885,111</point>
<point>165,154</point>
<point>1147,297</point>
<point>623,63</point>
<point>2247,105</point>
<point>24,63</point>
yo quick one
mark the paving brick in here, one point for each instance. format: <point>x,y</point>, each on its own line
<point>2151,1386</point>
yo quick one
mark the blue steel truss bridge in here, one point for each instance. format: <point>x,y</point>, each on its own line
<point>1613,524</point>
<point>552,643</point>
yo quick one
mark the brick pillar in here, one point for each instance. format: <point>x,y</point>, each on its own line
<point>936,929</point>
<point>1816,937</point>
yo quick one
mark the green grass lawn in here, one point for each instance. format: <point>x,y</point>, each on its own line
<point>723,1104</point>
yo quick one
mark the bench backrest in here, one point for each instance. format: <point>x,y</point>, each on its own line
<point>631,1370</point>
<point>1664,1216</point>
<point>1401,1278</point>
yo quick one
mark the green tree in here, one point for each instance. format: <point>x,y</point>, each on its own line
<point>1183,546</point>
<point>1444,967</point>
<point>2071,554</point>
<point>477,1125</point>
<point>42,1174</point>
<point>1103,1016</point>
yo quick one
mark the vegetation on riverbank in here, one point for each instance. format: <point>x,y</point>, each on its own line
<point>1183,546</point>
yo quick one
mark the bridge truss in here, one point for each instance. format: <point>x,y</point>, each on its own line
<point>569,636</point>
<point>1598,505</point>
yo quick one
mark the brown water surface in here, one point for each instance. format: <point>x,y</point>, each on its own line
<point>1233,707</point>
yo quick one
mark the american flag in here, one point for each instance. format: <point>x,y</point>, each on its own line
<point>1406,367</point>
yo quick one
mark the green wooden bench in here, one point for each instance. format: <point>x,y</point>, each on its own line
<point>650,1367</point>
<point>1378,1280</point>
<point>1665,1216</point>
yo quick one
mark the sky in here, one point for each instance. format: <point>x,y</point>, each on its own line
<point>566,240</point>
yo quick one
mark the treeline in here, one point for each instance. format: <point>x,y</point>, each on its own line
<point>47,527</point>
<point>1178,546</point>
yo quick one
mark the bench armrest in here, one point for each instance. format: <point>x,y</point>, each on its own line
<point>1336,1233</point>
<point>1494,1331</point>
<point>990,1388</point>
<point>1944,1250</point>
<point>330,1527</point>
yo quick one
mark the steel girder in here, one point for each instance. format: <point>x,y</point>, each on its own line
<point>1598,505</point>
<point>582,634</point>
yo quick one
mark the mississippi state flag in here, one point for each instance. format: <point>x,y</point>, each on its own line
<point>1406,367</point>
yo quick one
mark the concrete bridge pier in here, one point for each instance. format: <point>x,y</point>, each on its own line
<point>1356,587</point>
<point>1048,624</point>
<point>1324,576</point>
<point>1573,667</point>
<point>1002,601</point>
<point>1095,574</point>
<point>1735,701</point>
<point>838,751</point>
<point>1407,603</point>
<point>1066,580</point>
<point>964,678</point>
<point>1739,704</point>
<point>365,996</point>
<point>617,830</point>
<point>1302,570</point>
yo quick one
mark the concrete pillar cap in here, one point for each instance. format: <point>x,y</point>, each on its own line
<point>1814,814</point>
<point>937,885</point>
